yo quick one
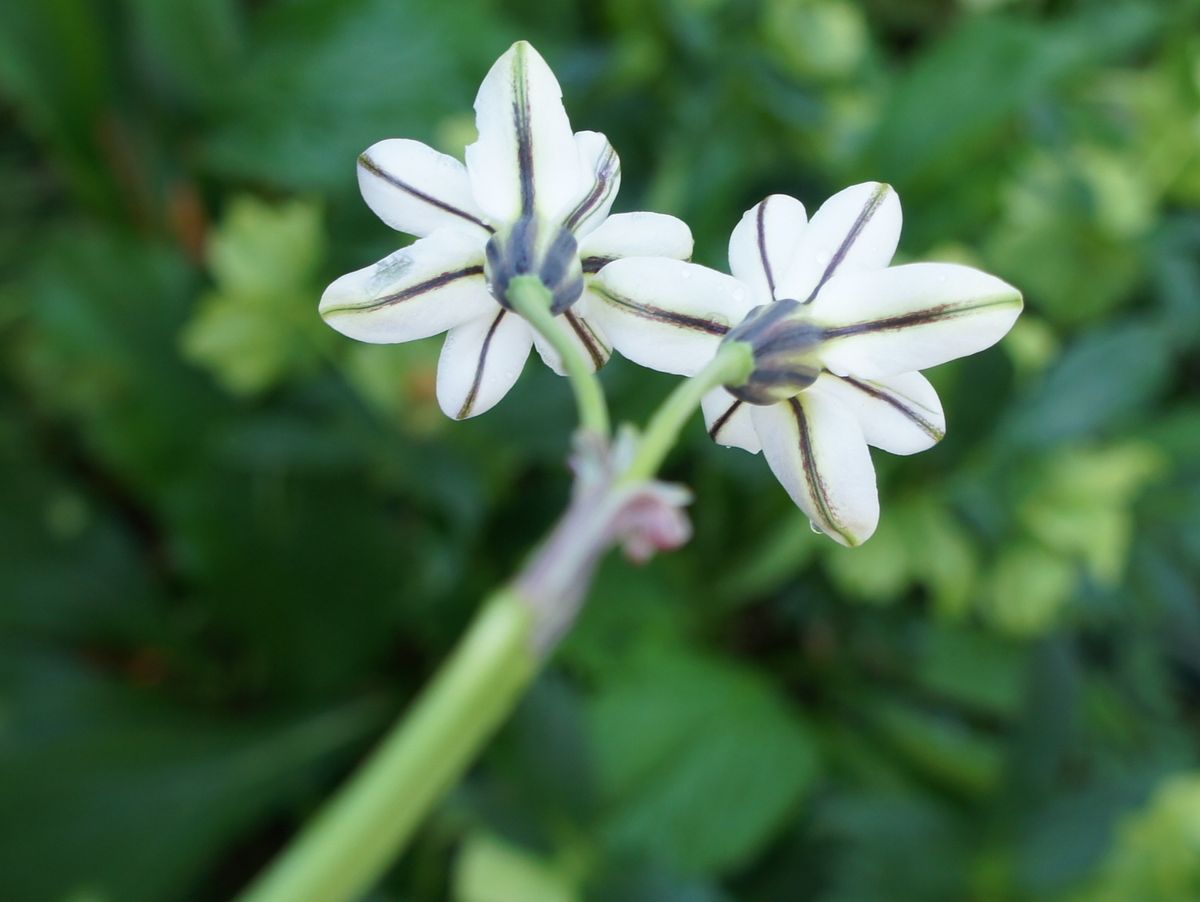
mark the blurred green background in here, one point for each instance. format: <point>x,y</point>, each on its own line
<point>233,543</point>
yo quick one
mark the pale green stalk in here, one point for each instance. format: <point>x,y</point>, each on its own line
<point>530,298</point>
<point>731,366</point>
<point>354,838</point>
<point>342,852</point>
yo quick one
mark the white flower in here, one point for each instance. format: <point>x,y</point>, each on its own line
<point>529,187</point>
<point>860,332</point>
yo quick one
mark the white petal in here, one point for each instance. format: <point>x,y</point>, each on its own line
<point>666,314</point>
<point>526,159</point>
<point>586,334</point>
<point>423,289</point>
<point>907,318</point>
<point>600,179</point>
<point>728,421</point>
<point>856,229</point>
<point>636,235</point>
<point>415,189</point>
<point>901,414</point>
<point>764,244</point>
<point>817,451</point>
<point>480,362</point>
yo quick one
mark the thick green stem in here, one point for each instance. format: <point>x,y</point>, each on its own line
<point>530,298</point>
<point>352,841</point>
<point>732,365</point>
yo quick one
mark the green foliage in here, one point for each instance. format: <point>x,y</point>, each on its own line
<point>489,870</point>
<point>101,768</point>
<point>678,738</point>
<point>233,543</point>
<point>1157,852</point>
<point>254,331</point>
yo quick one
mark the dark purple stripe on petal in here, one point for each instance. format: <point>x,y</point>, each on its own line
<point>860,223</point>
<point>413,291</point>
<point>524,131</point>
<point>897,402</point>
<point>666,317</point>
<point>812,475</point>
<point>761,228</point>
<point>606,170</point>
<point>593,265</point>
<point>469,401</point>
<point>927,317</point>
<point>720,422</point>
<point>372,167</point>
<point>588,339</point>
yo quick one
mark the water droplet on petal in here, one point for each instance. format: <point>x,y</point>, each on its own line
<point>815,528</point>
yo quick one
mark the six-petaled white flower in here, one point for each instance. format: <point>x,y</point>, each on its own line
<point>839,337</point>
<point>533,198</point>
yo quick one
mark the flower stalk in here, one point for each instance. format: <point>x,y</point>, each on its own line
<point>357,835</point>
<point>349,844</point>
<point>533,301</point>
<point>732,365</point>
<point>809,352</point>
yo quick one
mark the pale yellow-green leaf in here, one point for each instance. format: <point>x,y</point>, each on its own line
<point>1080,505</point>
<point>1156,852</point>
<point>1028,589</point>
<point>1071,224</point>
<point>1113,474</point>
<point>820,38</point>
<point>262,248</point>
<point>491,870</point>
<point>1031,345</point>
<point>260,324</point>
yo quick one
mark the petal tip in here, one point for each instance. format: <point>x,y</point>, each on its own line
<point>524,53</point>
<point>844,534</point>
<point>853,535</point>
<point>457,414</point>
<point>882,188</point>
<point>329,306</point>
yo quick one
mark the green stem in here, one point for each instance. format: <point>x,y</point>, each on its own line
<point>343,851</point>
<point>354,838</point>
<point>530,298</point>
<point>732,365</point>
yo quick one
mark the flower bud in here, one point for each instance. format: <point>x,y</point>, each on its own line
<point>784,341</point>
<point>534,247</point>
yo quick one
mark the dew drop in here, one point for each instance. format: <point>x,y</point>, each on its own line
<point>815,528</point>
